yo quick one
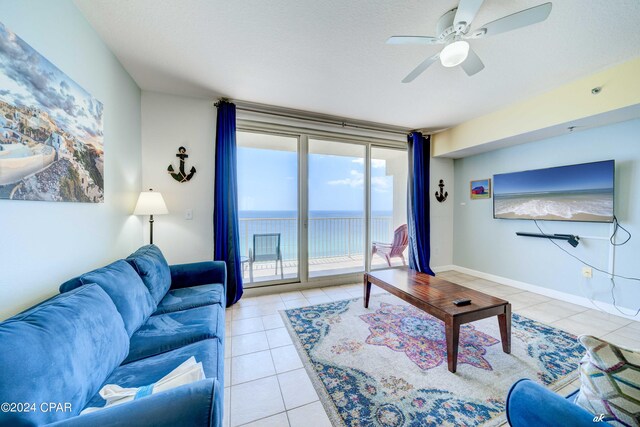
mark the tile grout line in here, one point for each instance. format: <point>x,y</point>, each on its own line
<point>546,302</point>
<point>263,418</point>
<point>304,404</point>
<point>284,404</point>
<point>286,414</point>
<point>279,387</point>
<point>257,351</point>
<point>255,379</point>
<point>623,326</point>
<point>230,398</point>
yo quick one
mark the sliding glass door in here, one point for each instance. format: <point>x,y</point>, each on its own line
<point>268,207</point>
<point>389,237</point>
<point>312,208</point>
<point>336,194</point>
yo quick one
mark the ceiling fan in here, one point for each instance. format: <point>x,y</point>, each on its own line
<point>454,29</point>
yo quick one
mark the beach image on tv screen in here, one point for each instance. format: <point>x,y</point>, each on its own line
<point>568,193</point>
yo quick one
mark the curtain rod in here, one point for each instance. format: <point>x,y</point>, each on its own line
<point>317,119</point>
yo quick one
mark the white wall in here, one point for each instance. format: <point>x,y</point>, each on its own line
<point>43,244</point>
<point>491,246</point>
<point>169,122</point>
<point>441,213</point>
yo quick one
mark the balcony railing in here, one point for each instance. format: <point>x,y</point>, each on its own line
<point>328,237</point>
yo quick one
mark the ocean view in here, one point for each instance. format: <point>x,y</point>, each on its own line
<point>331,233</point>
<point>582,205</point>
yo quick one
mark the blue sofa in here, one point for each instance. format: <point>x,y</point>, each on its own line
<point>129,323</point>
<point>530,404</point>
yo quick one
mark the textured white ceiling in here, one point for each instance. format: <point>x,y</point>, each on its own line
<point>330,56</point>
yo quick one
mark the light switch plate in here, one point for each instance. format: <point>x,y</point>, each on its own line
<point>188,214</point>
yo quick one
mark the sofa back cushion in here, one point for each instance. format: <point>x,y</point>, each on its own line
<point>60,351</point>
<point>120,281</point>
<point>153,268</point>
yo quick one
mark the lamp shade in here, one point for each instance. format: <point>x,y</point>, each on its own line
<point>150,203</point>
<point>455,53</point>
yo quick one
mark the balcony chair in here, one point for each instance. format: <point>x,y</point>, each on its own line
<point>266,247</point>
<point>395,249</point>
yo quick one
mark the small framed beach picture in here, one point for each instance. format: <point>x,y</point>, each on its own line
<point>480,189</point>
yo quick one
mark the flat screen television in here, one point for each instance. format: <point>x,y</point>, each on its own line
<point>581,192</point>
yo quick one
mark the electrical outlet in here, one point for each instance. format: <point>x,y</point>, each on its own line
<point>587,272</point>
<point>188,214</point>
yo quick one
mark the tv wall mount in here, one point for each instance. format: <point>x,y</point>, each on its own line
<point>572,239</point>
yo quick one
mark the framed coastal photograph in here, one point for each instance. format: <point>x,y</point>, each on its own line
<point>51,133</point>
<point>480,189</point>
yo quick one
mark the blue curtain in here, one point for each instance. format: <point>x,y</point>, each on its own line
<point>225,207</point>
<point>418,203</point>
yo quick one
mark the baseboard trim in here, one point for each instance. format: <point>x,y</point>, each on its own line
<point>442,268</point>
<point>563,296</point>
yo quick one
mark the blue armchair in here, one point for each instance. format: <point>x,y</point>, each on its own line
<point>531,405</point>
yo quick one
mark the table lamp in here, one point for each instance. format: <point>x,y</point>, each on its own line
<point>150,203</point>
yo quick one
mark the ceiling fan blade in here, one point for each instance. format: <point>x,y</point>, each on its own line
<point>413,40</point>
<point>517,20</point>
<point>420,68</point>
<point>467,10</point>
<point>473,64</point>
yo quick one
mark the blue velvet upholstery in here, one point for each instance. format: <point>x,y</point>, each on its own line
<point>60,351</point>
<point>530,404</point>
<point>149,370</point>
<point>195,296</point>
<point>66,348</point>
<point>121,282</point>
<point>198,273</point>
<point>169,331</point>
<point>152,267</point>
<point>196,404</point>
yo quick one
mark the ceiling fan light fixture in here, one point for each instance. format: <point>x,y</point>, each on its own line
<point>455,53</point>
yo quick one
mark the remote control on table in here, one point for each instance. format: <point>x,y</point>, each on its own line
<point>461,301</point>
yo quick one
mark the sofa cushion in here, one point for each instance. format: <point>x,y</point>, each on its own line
<point>195,296</point>
<point>152,267</point>
<point>149,370</point>
<point>195,404</point>
<point>120,281</point>
<point>610,381</point>
<point>60,351</point>
<point>166,332</point>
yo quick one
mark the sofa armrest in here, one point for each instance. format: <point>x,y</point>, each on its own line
<point>198,273</point>
<point>195,404</point>
<point>530,404</point>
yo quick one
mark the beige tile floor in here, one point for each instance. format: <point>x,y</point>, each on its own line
<point>267,385</point>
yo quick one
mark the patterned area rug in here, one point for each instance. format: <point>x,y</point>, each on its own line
<point>387,365</point>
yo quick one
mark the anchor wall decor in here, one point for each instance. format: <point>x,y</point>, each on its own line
<point>181,175</point>
<point>440,196</point>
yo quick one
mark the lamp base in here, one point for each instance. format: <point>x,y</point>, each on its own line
<point>151,229</point>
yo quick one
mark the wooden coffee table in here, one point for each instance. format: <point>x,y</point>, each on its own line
<point>435,296</point>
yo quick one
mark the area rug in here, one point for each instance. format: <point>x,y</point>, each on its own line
<point>387,366</point>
